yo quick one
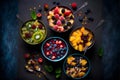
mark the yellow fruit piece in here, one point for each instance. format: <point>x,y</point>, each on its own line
<point>74,33</point>
<point>70,59</point>
<point>85,32</point>
<point>82,29</point>
<point>76,47</point>
<point>83,62</point>
<point>80,47</point>
<point>81,74</point>
<point>72,38</point>
<point>74,44</point>
<point>83,69</point>
<point>90,36</point>
<point>88,44</point>
<point>73,63</point>
<point>36,23</point>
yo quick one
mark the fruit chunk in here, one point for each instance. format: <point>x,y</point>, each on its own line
<point>56,10</point>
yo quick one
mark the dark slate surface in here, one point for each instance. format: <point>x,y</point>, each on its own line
<point>13,48</point>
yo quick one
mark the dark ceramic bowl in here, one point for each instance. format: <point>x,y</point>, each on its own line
<point>72,18</point>
<point>54,49</point>
<point>33,32</point>
<point>77,55</point>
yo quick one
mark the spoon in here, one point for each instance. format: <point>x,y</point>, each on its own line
<point>84,5</point>
<point>95,29</point>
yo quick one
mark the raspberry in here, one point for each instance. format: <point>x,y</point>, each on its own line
<point>57,16</point>
<point>59,23</point>
<point>74,5</point>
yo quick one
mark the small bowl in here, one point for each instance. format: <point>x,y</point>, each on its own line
<point>33,32</point>
<point>81,39</point>
<point>78,63</point>
<point>54,49</point>
<point>60,19</point>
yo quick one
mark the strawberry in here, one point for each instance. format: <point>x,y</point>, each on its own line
<point>56,10</point>
<point>55,27</point>
<point>67,13</point>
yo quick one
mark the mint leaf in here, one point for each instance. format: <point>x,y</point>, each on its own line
<point>58,75</point>
<point>100,51</point>
<point>58,70</point>
<point>33,15</point>
<point>48,68</point>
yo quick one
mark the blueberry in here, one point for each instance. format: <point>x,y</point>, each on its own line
<point>63,10</point>
<point>68,23</point>
<point>65,27</point>
<point>88,11</point>
<point>80,20</point>
<point>58,3</point>
<point>40,10</point>
<point>91,19</point>
<point>58,57</point>
<point>71,17</point>
<point>54,2</point>
<point>63,21</point>
<point>55,45</point>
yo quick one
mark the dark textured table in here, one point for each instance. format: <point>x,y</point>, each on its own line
<point>24,13</point>
<point>12,46</point>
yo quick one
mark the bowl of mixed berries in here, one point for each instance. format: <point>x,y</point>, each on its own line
<point>54,49</point>
<point>33,32</point>
<point>60,18</point>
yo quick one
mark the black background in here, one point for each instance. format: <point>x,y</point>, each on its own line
<point>13,48</point>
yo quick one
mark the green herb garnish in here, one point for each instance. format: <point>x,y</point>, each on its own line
<point>48,68</point>
<point>33,15</point>
<point>100,51</point>
<point>58,72</point>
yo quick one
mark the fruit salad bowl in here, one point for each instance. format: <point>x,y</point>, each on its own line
<point>33,32</point>
<point>76,66</point>
<point>54,49</point>
<point>60,19</point>
<point>81,39</point>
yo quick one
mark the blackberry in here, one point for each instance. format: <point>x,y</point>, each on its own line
<point>55,22</point>
<point>57,3</point>
<point>60,14</point>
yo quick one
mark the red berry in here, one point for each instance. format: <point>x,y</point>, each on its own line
<point>33,26</point>
<point>40,26</point>
<point>59,23</point>
<point>56,10</point>
<point>40,60</point>
<point>67,13</point>
<point>46,6</point>
<point>55,27</point>
<point>27,55</point>
<point>47,44</point>
<point>57,16</point>
<point>74,5</point>
<point>28,35</point>
<point>39,15</point>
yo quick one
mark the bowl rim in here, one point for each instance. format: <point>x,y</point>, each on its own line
<point>57,59</point>
<point>63,7</point>
<point>29,21</point>
<point>93,39</point>
<point>77,54</point>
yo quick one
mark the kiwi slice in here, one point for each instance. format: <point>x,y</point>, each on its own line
<point>37,36</point>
